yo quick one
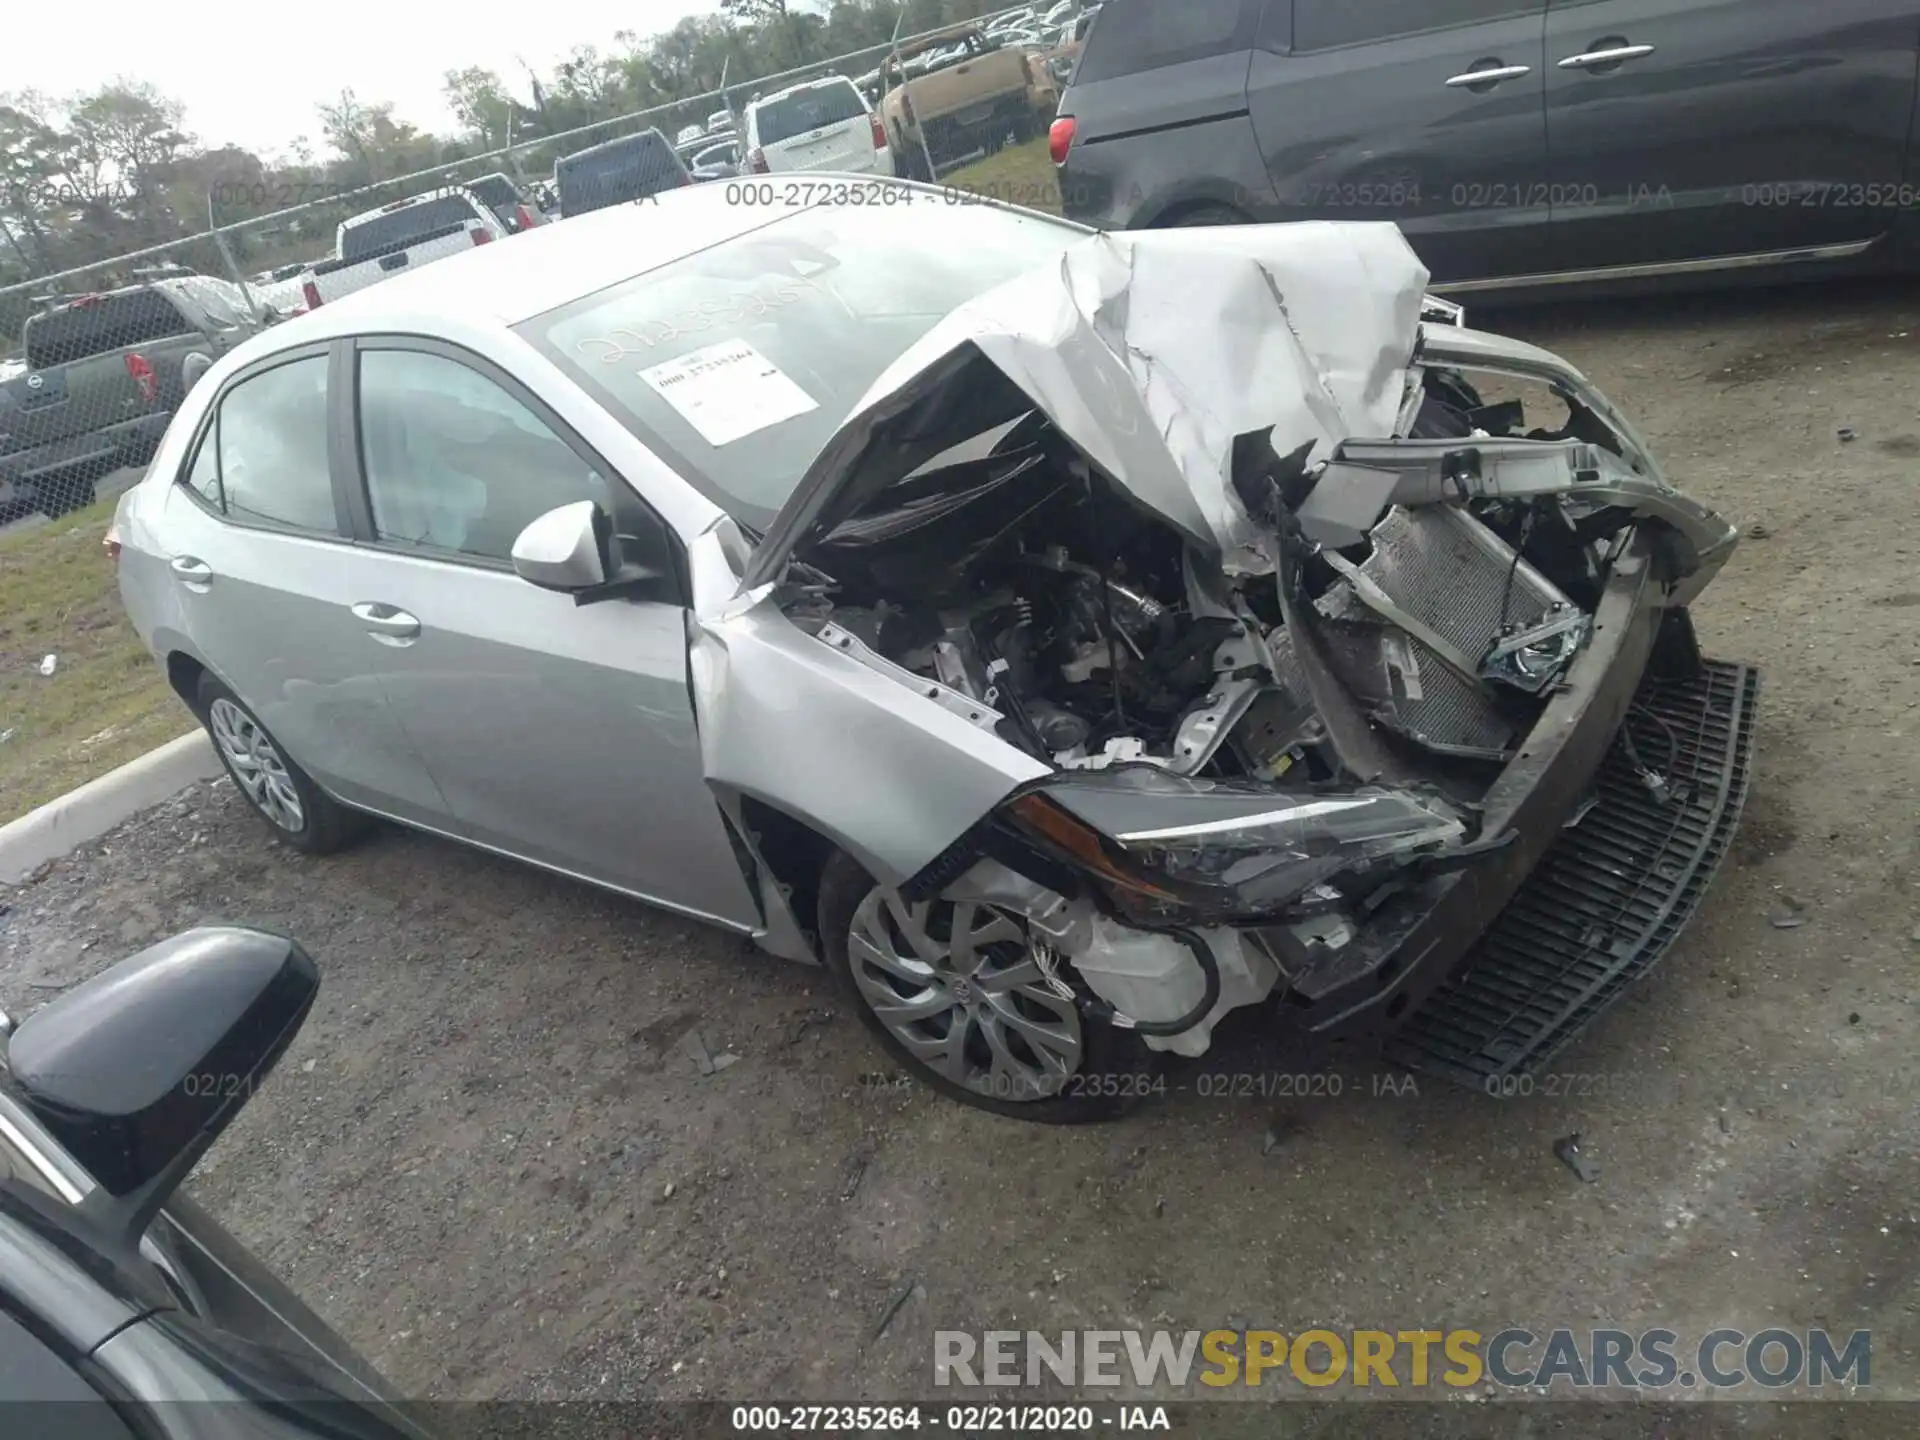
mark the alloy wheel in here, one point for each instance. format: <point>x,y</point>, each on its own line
<point>257,765</point>
<point>961,987</point>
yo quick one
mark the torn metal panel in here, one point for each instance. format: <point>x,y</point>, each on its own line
<point>887,774</point>
<point>1151,352</point>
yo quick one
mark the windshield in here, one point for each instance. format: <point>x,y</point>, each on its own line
<point>812,109</point>
<point>737,364</point>
<point>385,234</point>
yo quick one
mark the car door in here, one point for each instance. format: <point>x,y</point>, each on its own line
<point>264,577</point>
<point>1428,113</point>
<point>559,733</point>
<point>1681,130</point>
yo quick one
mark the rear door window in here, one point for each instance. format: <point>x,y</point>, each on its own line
<point>269,444</point>
<point>1327,24</point>
<point>100,325</point>
<point>1137,35</point>
<point>805,110</point>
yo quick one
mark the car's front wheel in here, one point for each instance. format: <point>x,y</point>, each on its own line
<point>279,791</point>
<point>958,994</point>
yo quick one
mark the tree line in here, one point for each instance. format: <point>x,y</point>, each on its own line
<point>89,177</point>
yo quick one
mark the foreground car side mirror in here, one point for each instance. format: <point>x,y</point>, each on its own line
<point>138,1070</point>
<point>575,551</point>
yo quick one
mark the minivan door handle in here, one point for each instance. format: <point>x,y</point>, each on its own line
<point>1489,77</point>
<point>191,570</point>
<point>1614,53</point>
<point>386,623</point>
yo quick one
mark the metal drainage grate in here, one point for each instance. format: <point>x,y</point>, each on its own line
<point>1608,899</point>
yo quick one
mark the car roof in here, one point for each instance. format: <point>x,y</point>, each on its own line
<point>836,78</point>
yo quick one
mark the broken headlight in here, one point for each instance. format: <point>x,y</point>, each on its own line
<point>1169,850</point>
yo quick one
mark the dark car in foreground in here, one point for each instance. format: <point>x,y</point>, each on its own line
<point>104,372</point>
<point>1520,145</point>
<point>126,1310</point>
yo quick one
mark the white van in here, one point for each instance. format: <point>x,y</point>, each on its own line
<point>823,124</point>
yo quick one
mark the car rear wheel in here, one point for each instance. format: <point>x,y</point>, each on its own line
<point>958,994</point>
<point>279,791</point>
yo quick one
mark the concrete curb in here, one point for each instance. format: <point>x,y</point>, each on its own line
<point>60,827</point>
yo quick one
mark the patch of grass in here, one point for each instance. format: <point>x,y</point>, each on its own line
<point>107,700</point>
<point>1018,175</point>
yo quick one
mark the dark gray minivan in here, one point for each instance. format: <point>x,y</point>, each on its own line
<point>1519,143</point>
<point>617,172</point>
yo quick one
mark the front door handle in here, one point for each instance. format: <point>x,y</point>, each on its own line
<point>386,623</point>
<point>1614,53</point>
<point>1489,77</point>
<point>191,570</point>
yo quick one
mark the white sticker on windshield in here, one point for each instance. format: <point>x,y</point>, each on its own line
<point>728,391</point>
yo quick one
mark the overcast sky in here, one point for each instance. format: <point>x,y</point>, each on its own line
<point>251,74</point>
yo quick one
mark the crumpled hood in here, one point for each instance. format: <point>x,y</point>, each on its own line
<point>1151,351</point>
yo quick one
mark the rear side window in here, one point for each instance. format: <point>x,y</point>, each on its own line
<point>804,110</point>
<point>1136,35</point>
<point>100,326</point>
<point>1325,24</point>
<point>269,444</point>
<point>384,234</point>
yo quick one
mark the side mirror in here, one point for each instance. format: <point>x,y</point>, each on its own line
<point>569,549</point>
<point>574,550</point>
<point>137,1071</point>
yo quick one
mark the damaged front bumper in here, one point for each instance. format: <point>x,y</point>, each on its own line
<point>1458,945</point>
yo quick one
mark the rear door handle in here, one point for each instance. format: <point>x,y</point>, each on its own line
<point>1612,55</point>
<point>386,623</point>
<point>190,570</point>
<point>1493,75</point>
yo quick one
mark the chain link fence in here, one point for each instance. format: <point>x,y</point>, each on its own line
<point>95,360</point>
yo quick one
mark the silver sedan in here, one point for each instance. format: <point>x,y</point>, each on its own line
<point>1067,639</point>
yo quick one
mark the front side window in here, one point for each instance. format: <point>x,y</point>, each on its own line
<point>264,459</point>
<point>454,462</point>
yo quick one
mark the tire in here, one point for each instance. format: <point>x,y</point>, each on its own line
<point>1099,1058</point>
<point>280,792</point>
<point>1204,215</point>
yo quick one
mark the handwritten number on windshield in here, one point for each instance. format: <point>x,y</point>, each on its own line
<point>741,306</point>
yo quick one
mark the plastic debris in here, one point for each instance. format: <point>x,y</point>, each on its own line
<point>1848,434</point>
<point>704,1060</point>
<point>1567,1150</point>
<point>50,664</point>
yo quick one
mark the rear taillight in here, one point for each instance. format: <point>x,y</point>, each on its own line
<point>879,132</point>
<point>144,380</point>
<point>310,293</point>
<point>527,222</point>
<point>111,543</point>
<point>1060,138</point>
<point>757,161</point>
<point>482,236</point>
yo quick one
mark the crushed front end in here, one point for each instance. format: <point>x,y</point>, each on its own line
<point>1303,674</point>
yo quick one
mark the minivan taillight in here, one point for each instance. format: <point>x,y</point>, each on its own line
<point>757,161</point>
<point>879,132</point>
<point>482,235</point>
<point>144,380</point>
<point>310,293</point>
<point>1060,138</point>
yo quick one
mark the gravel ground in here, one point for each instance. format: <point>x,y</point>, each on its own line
<point>491,1160</point>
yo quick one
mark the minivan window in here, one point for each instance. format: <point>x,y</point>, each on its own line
<point>628,169</point>
<point>814,108</point>
<point>737,363</point>
<point>1325,24</point>
<point>101,325</point>
<point>1137,35</point>
<point>384,234</point>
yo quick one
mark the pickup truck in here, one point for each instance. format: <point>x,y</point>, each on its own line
<point>103,375</point>
<point>979,95</point>
<point>378,244</point>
